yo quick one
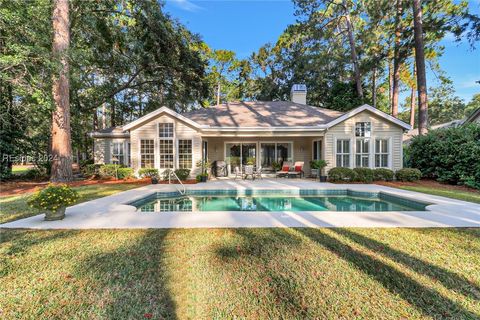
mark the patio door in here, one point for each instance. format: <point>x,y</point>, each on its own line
<point>239,154</point>
<point>275,152</point>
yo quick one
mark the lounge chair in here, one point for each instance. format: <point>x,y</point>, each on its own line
<point>297,170</point>
<point>285,169</point>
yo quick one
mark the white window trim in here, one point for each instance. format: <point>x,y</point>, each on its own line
<point>350,151</point>
<point>140,152</point>
<point>177,146</point>
<point>370,165</point>
<point>157,146</point>
<point>320,142</point>
<point>390,150</point>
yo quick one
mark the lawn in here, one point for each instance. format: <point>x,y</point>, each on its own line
<point>15,207</point>
<point>241,273</point>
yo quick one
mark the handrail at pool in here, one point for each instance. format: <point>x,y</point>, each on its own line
<point>169,182</point>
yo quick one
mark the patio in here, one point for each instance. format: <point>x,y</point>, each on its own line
<point>111,211</point>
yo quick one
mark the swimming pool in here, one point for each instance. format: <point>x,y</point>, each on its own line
<point>275,200</point>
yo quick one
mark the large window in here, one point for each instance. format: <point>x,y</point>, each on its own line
<point>362,154</point>
<point>118,155</point>
<point>317,150</point>
<point>166,153</point>
<point>185,154</point>
<point>381,153</point>
<point>271,151</point>
<point>343,153</point>
<point>363,129</point>
<point>147,153</point>
<point>165,130</point>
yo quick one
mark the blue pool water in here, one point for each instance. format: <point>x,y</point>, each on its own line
<point>276,200</point>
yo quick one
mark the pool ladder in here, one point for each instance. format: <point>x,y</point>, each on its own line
<point>172,173</point>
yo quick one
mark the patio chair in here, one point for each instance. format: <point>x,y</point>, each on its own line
<point>297,170</point>
<point>258,172</point>
<point>285,169</point>
<point>248,171</point>
<point>237,172</point>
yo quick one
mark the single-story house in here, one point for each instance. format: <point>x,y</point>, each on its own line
<point>262,132</point>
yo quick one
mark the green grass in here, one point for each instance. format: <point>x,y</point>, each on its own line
<point>472,196</point>
<point>241,273</point>
<point>15,207</point>
<point>20,169</point>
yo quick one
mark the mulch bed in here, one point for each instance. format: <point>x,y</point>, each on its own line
<point>18,187</point>
<point>426,183</point>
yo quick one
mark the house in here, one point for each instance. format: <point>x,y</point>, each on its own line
<point>260,131</point>
<point>474,117</point>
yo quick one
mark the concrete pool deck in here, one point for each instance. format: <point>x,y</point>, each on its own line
<point>111,212</point>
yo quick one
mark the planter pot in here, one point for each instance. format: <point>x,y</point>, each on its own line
<point>59,214</point>
<point>154,180</point>
<point>204,179</point>
<point>323,178</point>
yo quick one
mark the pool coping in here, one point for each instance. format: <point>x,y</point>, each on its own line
<point>114,212</point>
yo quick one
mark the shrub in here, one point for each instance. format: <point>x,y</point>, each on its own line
<point>91,169</point>
<point>382,174</point>
<point>363,175</point>
<point>340,174</point>
<point>448,155</point>
<point>33,173</point>
<point>109,170</point>
<point>182,174</point>
<point>408,174</point>
<point>124,173</point>
<point>53,197</point>
<point>148,173</point>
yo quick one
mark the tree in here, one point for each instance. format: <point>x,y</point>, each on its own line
<point>421,73</point>
<point>222,61</point>
<point>61,140</point>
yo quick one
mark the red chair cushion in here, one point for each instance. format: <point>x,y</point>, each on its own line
<point>298,168</point>
<point>285,168</point>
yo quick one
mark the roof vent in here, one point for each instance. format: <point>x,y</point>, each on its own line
<point>298,94</point>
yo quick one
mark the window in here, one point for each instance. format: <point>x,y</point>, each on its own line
<point>317,150</point>
<point>185,154</point>
<point>147,153</point>
<point>205,150</point>
<point>362,153</point>
<point>363,129</point>
<point>166,153</point>
<point>118,156</point>
<point>343,153</point>
<point>381,153</point>
<point>165,130</point>
<point>275,152</point>
<point>129,155</point>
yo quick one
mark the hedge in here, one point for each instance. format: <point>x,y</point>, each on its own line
<point>363,175</point>
<point>408,174</point>
<point>448,155</point>
<point>382,174</point>
<point>340,174</point>
<point>148,173</point>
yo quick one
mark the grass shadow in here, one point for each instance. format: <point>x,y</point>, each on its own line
<point>133,279</point>
<point>428,301</point>
<point>448,278</point>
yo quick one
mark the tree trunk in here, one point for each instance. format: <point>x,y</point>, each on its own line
<point>61,140</point>
<point>390,83</point>
<point>374,87</point>
<point>353,53</point>
<point>112,114</point>
<point>218,93</point>
<point>413,99</point>
<point>397,59</point>
<point>421,74</point>
<point>104,116</point>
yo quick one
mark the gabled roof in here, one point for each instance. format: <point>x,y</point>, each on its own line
<point>262,114</point>
<point>257,116</point>
<point>157,112</point>
<point>366,107</point>
<point>475,114</point>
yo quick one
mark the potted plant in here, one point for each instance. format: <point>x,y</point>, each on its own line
<point>317,167</point>
<point>251,161</point>
<point>151,173</point>
<point>276,166</point>
<point>54,199</point>
<point>204,164</point>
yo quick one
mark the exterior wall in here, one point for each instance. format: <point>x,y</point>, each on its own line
<point>103,149</point>
<point>380,129</point>
<point>302,147</point>
<point>149,130</point>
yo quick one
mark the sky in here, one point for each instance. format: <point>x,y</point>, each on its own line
<point>244,26</point>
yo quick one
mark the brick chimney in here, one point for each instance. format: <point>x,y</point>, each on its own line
<point>298,94</point>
